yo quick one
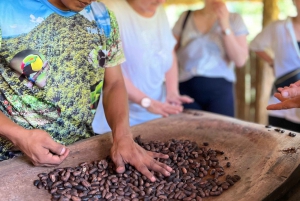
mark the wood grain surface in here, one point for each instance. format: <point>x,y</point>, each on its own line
<point>255,153</point>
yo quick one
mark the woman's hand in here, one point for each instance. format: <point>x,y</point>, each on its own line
<point>126,151</point>
<point>222,13</point>
<point>177,99</point>
<point>164,109</point>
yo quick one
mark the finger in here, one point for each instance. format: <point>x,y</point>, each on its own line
<point>174,101</point>
<point>163,113</point>
<point>55,147</point>
<point>51,159</point>
<point>280,89</point>
<point>160,155</point>
<point>159,167</point>
<point>277,106</point>
<point>142,168</point>
<point>165,109</point>
<point>282,106</point>
<point>172,109</point>
<point>279,97</point>
<point>290,92</point>
<point>119,162</point>
<point>186,99</point>
<point>293,86</point>
<point>297,83</point>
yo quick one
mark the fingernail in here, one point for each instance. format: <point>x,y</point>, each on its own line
<point>153,179</point>
<point>167,173</point>
<point>285,94</point>
<point>63,151</point>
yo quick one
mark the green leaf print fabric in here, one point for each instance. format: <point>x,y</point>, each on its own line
<point>52,66</point>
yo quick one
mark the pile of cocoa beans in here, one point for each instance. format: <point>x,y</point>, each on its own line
<point>197,174</point>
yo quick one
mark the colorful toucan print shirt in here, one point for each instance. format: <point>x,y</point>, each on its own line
<point>52,65</point>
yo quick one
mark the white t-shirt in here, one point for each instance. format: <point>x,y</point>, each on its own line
<point>204,54</point>
<point>148,44</point>
<point>279,37</point>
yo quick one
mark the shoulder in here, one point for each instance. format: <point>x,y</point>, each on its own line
<point>235,17</point>
<point>276,25</point>
<point>279,23</point>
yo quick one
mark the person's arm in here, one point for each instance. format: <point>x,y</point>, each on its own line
<point>36,144</point>
<point>124,149</point>
<point>264,41</point>
<point>266,57</point>
<point>236,46</point>
<point>156,107</point>
<point>173,96</point>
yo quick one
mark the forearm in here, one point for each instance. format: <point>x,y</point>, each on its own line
<point>115,103</point>
<point>172,77</point>
<point>134,94</point>
<point>266,57</point>
<point>236,49</point>
<point>9,129</point>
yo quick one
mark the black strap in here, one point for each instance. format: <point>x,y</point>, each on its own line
<point>183,25</point>
<point>185,20</point>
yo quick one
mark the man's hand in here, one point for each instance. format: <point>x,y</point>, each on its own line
<point>40,148</point>
<point>125,150</point>
<point>286,103</point>
<point>291,91</point>
<point>289,97</point>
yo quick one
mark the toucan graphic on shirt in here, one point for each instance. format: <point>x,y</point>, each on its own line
<point>32,67</point>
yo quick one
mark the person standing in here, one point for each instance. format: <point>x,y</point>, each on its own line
<point>282,39</point>
<point>211,41</point>
<point>150,69</point>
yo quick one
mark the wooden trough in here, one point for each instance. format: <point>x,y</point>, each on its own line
<point>255,153</point>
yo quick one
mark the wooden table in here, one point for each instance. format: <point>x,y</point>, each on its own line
<point>254,151</point>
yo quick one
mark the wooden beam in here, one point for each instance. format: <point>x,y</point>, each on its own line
<point>264,74</point>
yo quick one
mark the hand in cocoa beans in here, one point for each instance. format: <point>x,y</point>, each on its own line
<point>40,148</point>
<point>125,150</point>
<point>164,109</point>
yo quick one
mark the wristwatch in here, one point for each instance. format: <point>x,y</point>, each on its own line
<point>146,102</point>
<point>227,31</point>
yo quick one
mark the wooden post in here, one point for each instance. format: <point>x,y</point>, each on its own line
<point>264,74</point>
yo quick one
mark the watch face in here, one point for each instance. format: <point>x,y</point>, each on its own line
<point>146,102</point>
<point>227,31</point>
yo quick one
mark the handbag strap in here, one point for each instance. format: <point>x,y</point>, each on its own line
<point>183,26</point>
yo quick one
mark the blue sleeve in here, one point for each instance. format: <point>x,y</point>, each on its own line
<point>102,17</point>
